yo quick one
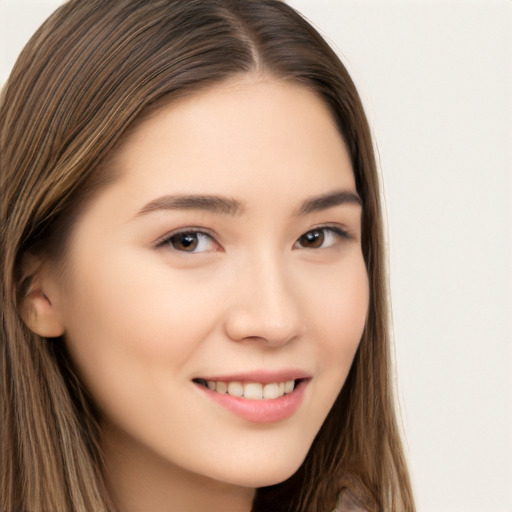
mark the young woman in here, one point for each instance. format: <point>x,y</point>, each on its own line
<point>193,296</point>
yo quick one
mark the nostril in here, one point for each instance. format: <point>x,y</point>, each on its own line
<point>265,319</point>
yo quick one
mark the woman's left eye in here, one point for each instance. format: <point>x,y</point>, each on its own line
<point>321,238</point>
<point>190,241</point>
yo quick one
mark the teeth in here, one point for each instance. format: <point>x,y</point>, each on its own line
<point>271,390</point>
<point>221,387</point>
<point>236,389</point>
<point>251,390</point>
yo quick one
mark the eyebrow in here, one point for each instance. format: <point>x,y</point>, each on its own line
<point>229,206</point>
<point>213,204</point>
<point>329,200</point>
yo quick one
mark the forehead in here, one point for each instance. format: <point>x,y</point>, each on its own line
<point>246,128</point>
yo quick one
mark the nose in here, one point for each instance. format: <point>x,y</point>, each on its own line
<point>265,306</point>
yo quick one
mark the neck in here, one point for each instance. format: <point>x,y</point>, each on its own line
<point>139,480</point>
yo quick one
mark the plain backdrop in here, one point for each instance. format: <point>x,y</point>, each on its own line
<point>436,80</point>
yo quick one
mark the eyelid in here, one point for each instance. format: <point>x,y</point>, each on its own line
<point>340,230</point>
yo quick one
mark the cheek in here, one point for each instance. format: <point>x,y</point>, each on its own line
<point>340,309</point>
<point>125,325</point>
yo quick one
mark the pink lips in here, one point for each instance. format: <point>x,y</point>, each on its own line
<point>263,410</point>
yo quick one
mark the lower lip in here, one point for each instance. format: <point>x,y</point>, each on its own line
<point>260,411</point>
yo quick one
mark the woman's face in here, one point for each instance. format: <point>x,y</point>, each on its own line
<point>227,255</point>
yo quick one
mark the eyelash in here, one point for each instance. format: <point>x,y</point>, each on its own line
<point>334,231</point>
<point>167,241</point>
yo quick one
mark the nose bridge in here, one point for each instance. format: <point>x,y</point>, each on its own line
<point>267,305</point>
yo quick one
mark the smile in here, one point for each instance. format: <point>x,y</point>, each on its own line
<point>250,390</point>
<point>258,397</point>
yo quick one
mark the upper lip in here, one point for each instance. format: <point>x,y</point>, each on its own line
<point>261,376</point>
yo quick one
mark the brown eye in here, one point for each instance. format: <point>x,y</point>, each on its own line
<point>190,241</point>
<point>322,238</point>
<point>312,239</point>
<point>185,241</point>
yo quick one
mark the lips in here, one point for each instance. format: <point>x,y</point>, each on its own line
<point>258,397</point>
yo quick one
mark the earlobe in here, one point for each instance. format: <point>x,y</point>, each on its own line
<point>38,311</point>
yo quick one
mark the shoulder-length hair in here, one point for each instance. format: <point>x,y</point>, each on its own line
<point>89,74</point>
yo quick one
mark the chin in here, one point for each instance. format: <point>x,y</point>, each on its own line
<point>272,472</point>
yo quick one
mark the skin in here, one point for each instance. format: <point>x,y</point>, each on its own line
<point>142,317</point>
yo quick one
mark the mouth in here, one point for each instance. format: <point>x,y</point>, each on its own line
<point>251,390</point>
<point>257,397</point>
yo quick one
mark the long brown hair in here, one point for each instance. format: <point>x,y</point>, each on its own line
<point>92,71</point>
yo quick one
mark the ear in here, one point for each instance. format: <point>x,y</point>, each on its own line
<point>39,306</point>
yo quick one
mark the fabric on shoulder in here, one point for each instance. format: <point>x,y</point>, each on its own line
<point>348,503</point>
<point>354,496</point>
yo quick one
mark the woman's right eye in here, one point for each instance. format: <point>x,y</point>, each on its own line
<point>190,241</point>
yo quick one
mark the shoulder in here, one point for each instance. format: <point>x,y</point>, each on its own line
<point>347,502</point>
<point>354,496</point>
